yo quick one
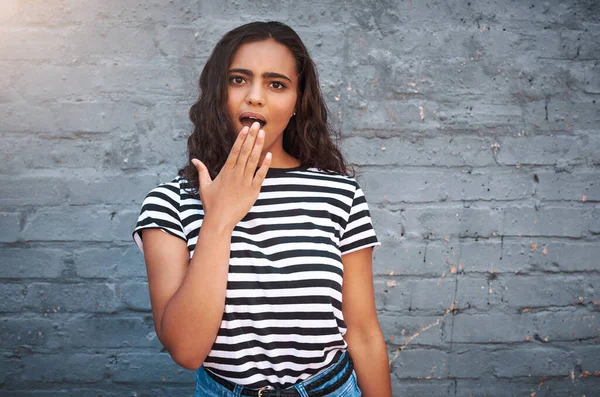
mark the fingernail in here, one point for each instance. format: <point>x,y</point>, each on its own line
<point>256,124</point>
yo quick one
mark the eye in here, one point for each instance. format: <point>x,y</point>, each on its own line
<point>277,85</point>
<point>237,79</point>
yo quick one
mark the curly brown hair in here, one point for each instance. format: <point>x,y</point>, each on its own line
<point>308,135</point>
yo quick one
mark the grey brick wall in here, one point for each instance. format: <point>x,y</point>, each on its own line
<point>475,128</point>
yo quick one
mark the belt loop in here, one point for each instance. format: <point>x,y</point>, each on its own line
<point>301,390</point>
<point>237,391</point>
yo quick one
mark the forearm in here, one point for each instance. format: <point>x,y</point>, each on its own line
<point>192,317</point>
<point>371,364</point>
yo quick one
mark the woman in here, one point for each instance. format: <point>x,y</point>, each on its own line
<point>247,248</point>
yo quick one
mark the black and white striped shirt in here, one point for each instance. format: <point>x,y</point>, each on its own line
<point>283,317</point>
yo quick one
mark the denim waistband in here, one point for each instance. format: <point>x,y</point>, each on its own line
<point>323,383</point>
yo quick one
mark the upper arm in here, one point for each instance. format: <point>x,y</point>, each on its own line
<point>167,258</point>
<point>358,295</point>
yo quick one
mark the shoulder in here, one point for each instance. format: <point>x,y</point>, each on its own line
<point>318,175</point>
<point>171,193</point>
<point>173,189</point>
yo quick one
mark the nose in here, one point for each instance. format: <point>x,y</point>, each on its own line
<point>255,95</point>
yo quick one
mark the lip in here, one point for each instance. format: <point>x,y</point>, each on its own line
<point>253,115</point>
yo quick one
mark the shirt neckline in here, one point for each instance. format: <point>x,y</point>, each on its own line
<point>275,170</point>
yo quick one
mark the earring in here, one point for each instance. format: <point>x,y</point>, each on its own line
<point>294,114</point>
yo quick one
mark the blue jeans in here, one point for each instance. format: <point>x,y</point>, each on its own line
<point>208,387</point>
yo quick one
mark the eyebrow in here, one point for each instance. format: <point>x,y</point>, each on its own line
<point>266,75</point>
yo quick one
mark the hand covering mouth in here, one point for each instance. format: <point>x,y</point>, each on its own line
<point>248,118</point>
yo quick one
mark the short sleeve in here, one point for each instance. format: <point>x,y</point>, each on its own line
<point>359,232</point>
<point>160,210</point>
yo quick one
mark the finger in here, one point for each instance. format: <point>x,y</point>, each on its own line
<point>255,154</point>
<point>235,149</point>
<point>262,171</point>
<point>247,146</point>
<point>203,174</point>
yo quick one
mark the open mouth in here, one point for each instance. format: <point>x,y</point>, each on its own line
<point>247,119</point>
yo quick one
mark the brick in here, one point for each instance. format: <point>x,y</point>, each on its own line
<point>95,42</point>
<point>433,186</point>
<point>594,221</point>
<point>104,390</point>
<point>304,14</point>
<point>433,388</point>
<point>592,148</point>
<point>412,186</point>
<point>470,361</point>
<point>550,255</point>
<point>59,368</point>
<point>135,295</point>
<point>7,366</point>
<point>32,190</point>
<point>452,221</point>
<point>477,292</point>
<point>387,118</point>
<point>510,328</point>
<point>100,331</point>
<point>420,364</point>
<point>543,221</point>
<point>153,11</point>
<point>530,291</point>
<point>535,361</point>
<point>110,189</point>
<point>491,328</point>
<point>425,151</point>
<point>409,258</point>
<point>525,14</point>
<point>80,224</point>
<point>12,297</point>
<point>387,224</point>
<point>26,330</point>
<point>31,263</point>
<point>149,368</point>
<point>30,44</point>
<point>10,224</point>
<point>441,257</point>
<point>409,70</point>
<point>475,115</point>
<point>587,357</point>
<point>400,330</point>
<point>484,256</point>
<point>125,223</point>
<point>539,150</point>
<point>67,153</point>
<point>26,117</point>
<point>81,297</point>
<point>524,386</point>
<point>485,185</point>
<point>76,331</point>
<point>98,118</point>
<point>76,224</point>
<point>78,82</point>
<point>126,151</point>
<point>109,263</point>
<point>416,294</point>
<point>576,186</point>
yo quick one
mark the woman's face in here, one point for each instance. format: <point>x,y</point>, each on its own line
<point>262,86</point>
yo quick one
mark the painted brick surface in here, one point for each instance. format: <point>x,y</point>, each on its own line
<point>474,127</point>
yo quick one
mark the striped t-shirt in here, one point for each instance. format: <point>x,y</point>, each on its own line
<point>283,317</point>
